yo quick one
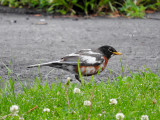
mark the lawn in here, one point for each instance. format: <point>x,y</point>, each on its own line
<point>129,96</point>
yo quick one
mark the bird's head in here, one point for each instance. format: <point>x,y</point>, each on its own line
<point>108,51</point>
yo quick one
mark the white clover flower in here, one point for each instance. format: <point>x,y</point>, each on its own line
<point>135,2</point>
<point>68,81</point>
<point>87,103</point>
<point>144,117</point>
<point>113,102</point>
<point>21,118</point>
<point>14,109</point>
<point>103,112</point>
<point>99,115</point>
<point>119,116</point>
<point>73,112</point>
<point>46,110</point>
<point>14,114</point>
<point>68,78</point>
<point>76,90</point>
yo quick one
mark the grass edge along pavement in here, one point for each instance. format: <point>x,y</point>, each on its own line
<point>129,8</point>
<point>126,97</point>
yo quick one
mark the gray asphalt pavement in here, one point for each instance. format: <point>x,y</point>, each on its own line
<point>25,40</point>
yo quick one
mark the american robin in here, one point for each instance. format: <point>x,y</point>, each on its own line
<point>90,61</point>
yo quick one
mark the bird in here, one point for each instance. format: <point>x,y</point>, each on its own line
<point>90,61</point>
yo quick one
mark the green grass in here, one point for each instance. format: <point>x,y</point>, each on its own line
<point>137,95</point>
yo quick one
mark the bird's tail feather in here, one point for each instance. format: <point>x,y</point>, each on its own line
<point>51,64</point>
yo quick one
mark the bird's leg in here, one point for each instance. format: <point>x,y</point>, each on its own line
<point>77,77</point>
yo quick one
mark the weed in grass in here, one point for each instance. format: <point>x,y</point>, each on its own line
<point>67,85</point>
<point>144,117</point>
<point>46,110</point>
<point>76,91</point>
<point>113,102</point>
<point>120,116</point>
<point>132,9</point>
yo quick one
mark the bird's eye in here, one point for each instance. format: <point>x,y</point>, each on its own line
<point>110,50</point>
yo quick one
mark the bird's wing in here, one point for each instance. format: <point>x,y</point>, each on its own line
<point>86,57</point>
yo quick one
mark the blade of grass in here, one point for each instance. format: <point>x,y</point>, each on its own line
<point>99,71</point>
<point>157,69</point>
<point>46,76</point>
<point>80,75</point>
<point>2,80</point>
<point>9,70</point>
<point>24,88</point>
<point>109,77</point>
<point>113,71</point>
<point>122,68</point>
<point>91,80</point>
<point>130,71</point>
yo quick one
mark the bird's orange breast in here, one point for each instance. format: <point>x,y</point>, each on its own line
<point>91,70</point>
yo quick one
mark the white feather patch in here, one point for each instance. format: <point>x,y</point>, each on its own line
<point>89,59</point>
<point>86,49</point>
<point>73,54</point>
<point>93,53</point>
